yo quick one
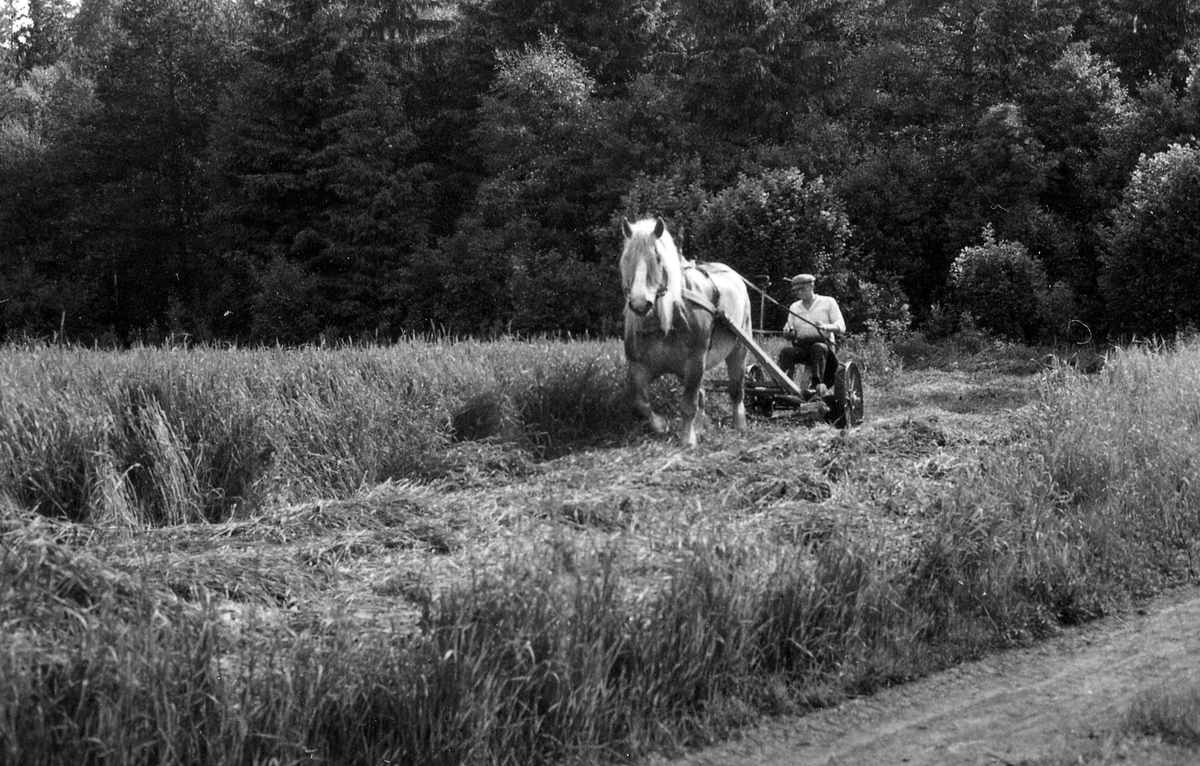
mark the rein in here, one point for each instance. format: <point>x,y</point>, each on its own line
<point>699,300</point>
<point>788,309</point>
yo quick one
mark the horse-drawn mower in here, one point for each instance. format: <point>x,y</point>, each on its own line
<point>841,406</point>
<point>770,391</point>
<point>713,303</point>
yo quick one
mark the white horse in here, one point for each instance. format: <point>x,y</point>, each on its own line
<point>675,312</point>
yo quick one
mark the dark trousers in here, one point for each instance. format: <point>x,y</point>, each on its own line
<point>814,353</point>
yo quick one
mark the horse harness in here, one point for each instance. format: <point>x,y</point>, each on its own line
<point>698,299</point>
<point>701,301</point>
<point>693,296</point>
<point>713,306</point>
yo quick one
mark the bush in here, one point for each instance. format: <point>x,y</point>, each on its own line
<point>870,304</point>
<point>1060,313</point>
<point>1001,285</point>
<point>1150,267</point>
<point>777,224</point>
<point>677,196</point>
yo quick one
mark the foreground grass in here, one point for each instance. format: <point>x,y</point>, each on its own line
<point>575,650</point>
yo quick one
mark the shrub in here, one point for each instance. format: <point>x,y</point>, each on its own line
<point>1060,312</point>
<point>1150,268</point>
<point>776,224</point>
<point>870,304</point>
<point>1001,285</point>
<point>677,196</point>
<point>875,351</point>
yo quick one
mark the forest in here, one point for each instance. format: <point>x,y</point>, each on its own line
<point>297,171</point>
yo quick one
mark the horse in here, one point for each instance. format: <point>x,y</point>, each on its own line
<point>675,315</point>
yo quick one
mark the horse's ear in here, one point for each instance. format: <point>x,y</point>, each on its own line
<point>627,228</point>
<point>659,227</point>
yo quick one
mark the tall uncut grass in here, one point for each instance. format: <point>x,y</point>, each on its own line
<point>1122,450</point>
<point>166,437</point>
<point>541,662</point>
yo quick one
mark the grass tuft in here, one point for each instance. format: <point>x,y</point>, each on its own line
<point>1171,714</point>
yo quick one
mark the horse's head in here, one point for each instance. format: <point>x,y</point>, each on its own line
<point>650,270</point>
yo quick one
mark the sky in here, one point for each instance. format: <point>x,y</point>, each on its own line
<point>20,10</point>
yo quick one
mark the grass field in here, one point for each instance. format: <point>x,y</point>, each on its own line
<point>458,552</point>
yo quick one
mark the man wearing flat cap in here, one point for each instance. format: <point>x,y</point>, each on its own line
<point>813,326</point>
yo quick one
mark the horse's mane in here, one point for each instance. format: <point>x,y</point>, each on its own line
<point>671,306</point>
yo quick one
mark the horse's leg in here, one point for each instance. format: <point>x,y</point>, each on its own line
<point>639,384</point>
<point>735,367</point>
<point>693,399</point>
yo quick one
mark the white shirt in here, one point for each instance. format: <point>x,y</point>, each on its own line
<point>823,311</point>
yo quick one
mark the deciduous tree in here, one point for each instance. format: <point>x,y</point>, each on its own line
<point>1152,260</point>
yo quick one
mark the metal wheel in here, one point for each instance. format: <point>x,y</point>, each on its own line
<point>759,403</point>
<point>846,409</point>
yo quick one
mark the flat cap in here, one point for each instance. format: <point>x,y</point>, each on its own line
<point>801,279</point>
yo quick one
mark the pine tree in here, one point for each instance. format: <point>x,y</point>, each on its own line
<point>312,168</point>
<point>142,195</point>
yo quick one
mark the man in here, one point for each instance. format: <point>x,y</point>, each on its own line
<point>813,326</point>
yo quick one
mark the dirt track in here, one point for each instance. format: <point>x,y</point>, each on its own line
<point>1061,702</point>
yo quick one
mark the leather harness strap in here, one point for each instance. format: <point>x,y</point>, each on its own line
<point>697,298</point>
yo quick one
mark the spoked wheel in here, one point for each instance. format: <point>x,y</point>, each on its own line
<point>760,404</point>
<point>846,409</point>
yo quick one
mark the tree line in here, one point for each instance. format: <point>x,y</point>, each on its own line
<point>294,170</point>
